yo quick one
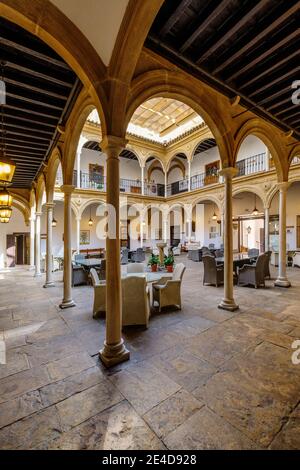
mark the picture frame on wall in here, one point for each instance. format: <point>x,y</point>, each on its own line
<point>84,237</point>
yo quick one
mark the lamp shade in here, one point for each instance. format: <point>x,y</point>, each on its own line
<point>4,220</point>
<point>7,170</point>
<point>5,198</point>
<point>54,222</point>
<point>5,212</point>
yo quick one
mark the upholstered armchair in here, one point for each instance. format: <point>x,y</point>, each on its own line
<point>99,307</point>
<point>135,268</point>
<point>79,275</point>
<point>79,257</point>
<point>253,274</point>
<point>213,272</point>
<point>253,254</point>
<point>177,250</point>
<point>138,256</point>
<point>168,291</point>
<point>101,271</point>
<point>135,301</point>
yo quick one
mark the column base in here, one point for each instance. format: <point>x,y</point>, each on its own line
<point>282,282</point>
<point>67,304</point>
<point>227,304</point>
<point>49,284</point>
<point>31,268</point>
<point>37,274</point>
<point>112,355</point>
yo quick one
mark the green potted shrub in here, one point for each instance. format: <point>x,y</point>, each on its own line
<point>153,262</point>
<point>169,263</point>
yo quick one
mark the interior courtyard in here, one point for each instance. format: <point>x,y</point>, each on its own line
<point>149,225</point>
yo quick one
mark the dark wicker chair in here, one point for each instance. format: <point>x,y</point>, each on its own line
<point>253,253</point>
<point>219,253</point>
<point>79,257</point>
<point>213,273</point>
<point>267,264</point>
<point>196,254</point>
<point>138,256</point>
<point>79,275</point>
<point>205,251</point>
<point>253,274</point>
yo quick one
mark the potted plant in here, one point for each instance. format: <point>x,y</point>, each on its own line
<point>153,262</point>
<point>169,263</point>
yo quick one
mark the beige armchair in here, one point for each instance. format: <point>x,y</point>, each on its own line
<point>168,291</point>
<point>99,308</point>
<point>135,301</point>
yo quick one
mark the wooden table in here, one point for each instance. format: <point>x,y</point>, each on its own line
<point>89,263</point>
<point>238,260</point>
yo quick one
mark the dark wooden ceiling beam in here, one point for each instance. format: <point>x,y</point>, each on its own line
<point>269,69</point>
<point>32,101</point>
<point>18,118</point>
<point>264,55</point>
<point>30,129</point>
<point>202,26</point>
<point>9,132</point>
<point>43,91</point>
<point>271,83</point>
<point>242,22</point>
<point>259,37</point>
<point>175,16</point>
<point>33,53</point>
<point>39,75</point>
<point>31,111</point>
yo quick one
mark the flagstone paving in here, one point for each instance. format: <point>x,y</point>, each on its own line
<point>199,378</point>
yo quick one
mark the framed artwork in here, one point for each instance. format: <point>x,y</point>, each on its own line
<point>84,237</point>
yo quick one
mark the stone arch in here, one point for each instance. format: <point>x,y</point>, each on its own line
<point>210,106</point>
<point>251,189</point>
<point>263,131</point>
<point>23,209</point>
<point>40,190</point>
<point>201,141</point>
<point>79,115</point>
<point>178,161</point>
<point>295,152</point>
<point>157,164</point>
<point>53,164</point>
<point>211,198</point>
<point>88,203</point>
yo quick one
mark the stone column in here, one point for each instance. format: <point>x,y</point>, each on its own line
<point>37,246</point>
<point>267,220</point>
<point>166,184</point>
<point>165,228</point>
<point>78,220</point>
<point>189,175</point>
<point>32,232</point>
<point>114,350</point>
<point>228,302</point>
<point>282,280</point>
<point>143,179</point>
<point>67,301</point>
<point>81,143</point>
<point>49,263</point>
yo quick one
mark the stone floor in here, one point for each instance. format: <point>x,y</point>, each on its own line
<point>199,378</point>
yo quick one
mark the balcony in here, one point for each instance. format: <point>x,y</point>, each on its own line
<point>250,165</point>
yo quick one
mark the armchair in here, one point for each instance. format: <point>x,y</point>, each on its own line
<point>79,275</point>
<point>101,271</point>
<point>138,256</point>
<point>267,264</point>
<point>124,256</point>
<point>253,274</point>
<point>168,291</point>
<point>213,272</point>
<point>135,301</point>
<point>253,253</point>
<point>99,307</point>
<point>177,250</point>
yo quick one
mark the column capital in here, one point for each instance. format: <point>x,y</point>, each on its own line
<point>78,218</point>
<point>67,188</point>
<point>38,214</point>
<point>111,143</point>
<point>229,172</point>
<point>50,205</point>
<point>283,186</point>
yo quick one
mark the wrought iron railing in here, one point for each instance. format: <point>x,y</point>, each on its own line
<point>250,165</point>
<point>178,187</point>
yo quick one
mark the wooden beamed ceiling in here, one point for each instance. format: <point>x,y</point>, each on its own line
<point>249,48</point>
<point>40,92</point>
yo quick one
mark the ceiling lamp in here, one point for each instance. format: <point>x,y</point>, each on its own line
<point>255,210</point>
<point>7,167</point>
<point>4,220</point>
<point>5,212</point>
<point>91,220</point>
<point>214,217</point>
<point>54,222</point>
<point>5,198</point>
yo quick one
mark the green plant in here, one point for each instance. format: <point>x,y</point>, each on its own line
<point>154,259</point>
<point>169,260</point>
